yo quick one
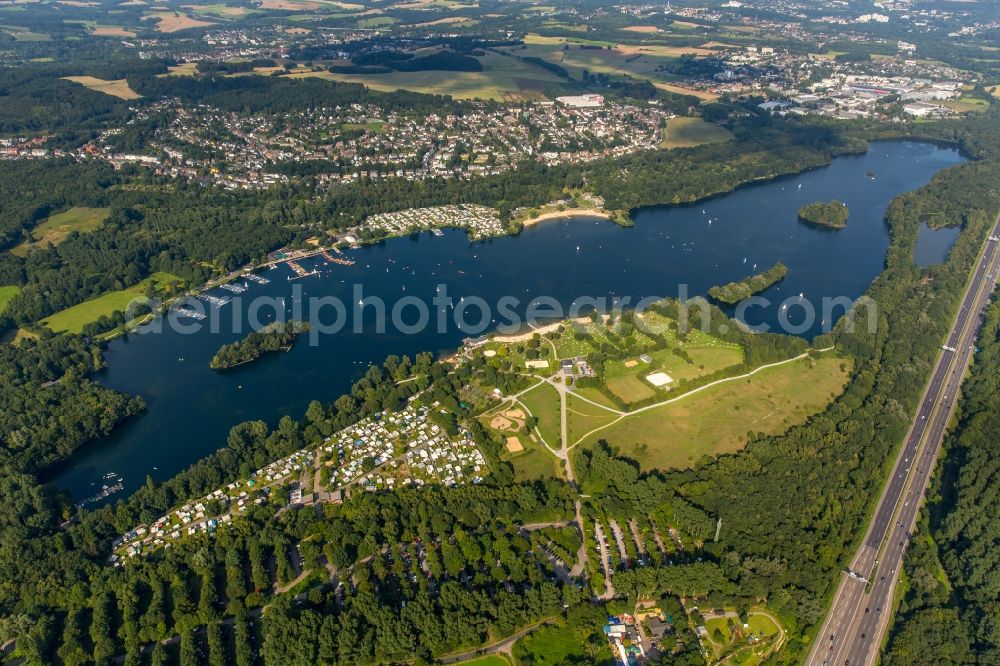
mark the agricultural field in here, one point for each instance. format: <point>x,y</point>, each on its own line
<point>184,69</point>
<point>98,30</point>
<point>22,34</point>
<point>448,20</point>
<point>175,21</point>
<point>503,79</point>
<point>6,293</point>
<point>221,11</point>
<point>56,228</point>
<point>690,132</point>
<point>716,420</point>
<point>579,54</point>
<point>116,88</point>
<point>73,319</point>
<point>543,403</point>
<point>703,95</point>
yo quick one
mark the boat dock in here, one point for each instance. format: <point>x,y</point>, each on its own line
<point>186,312</point>
<point>299,271</point>
<point>214,300</point>
<point>342,261</point>
<point>233,288</point>
<point>253,277</point>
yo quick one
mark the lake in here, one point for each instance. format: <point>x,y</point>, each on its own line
<point>191,408</point>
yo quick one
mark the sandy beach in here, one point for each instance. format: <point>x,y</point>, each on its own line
<point>569,212</point>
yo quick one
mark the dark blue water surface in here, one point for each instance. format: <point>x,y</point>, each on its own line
<point>933,244</point>
<point>191,408</point>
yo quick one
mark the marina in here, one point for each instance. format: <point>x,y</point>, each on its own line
<point>233,288</point>
<point>259,279</point>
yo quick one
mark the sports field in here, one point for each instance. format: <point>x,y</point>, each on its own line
<point>56,228</point>
<point>716,420</point>
<point>116,88</point>
<point>73,319</point>
<point>688,132</point>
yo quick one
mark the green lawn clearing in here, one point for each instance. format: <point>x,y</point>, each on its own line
<point>543,402</point>
<point>689,132</point>
<point>7,293</point>
<point>56,228</point>
<point>74,318</point>
<point>716,420</point>
<point>582,417</point>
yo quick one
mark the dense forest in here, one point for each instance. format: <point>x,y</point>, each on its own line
<point>950,609</point>
<point>273,337</point>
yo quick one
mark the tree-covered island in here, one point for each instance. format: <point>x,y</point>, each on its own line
<point>273,337</point>
<point>831,214</point>
<point>734,292</point>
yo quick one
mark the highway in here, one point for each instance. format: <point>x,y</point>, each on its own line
<point>855,625</point>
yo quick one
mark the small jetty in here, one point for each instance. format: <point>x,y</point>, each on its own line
<point>115,485</point>
<point>259,279</point>
<point>187,312</point>
<point>214,300</point>
<point>342,261</point>
<point>299,271</point>
<point>233,288</point>
<point>437,232</point>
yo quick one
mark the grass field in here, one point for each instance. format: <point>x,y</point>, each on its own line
<point>488,660</point>
<point>582,417</point>
<point>56,228</point>
<point>716,420</point>
<point>73,319</point>
<point>703,95</point>
<point>533,463</point>
<point>221,11</point>
<point>551,645</point>
<point>688,132</point>
<point>502,78</point>
<point>111,31</point>
<point>543,402</point>
<point>22,34</point>
<point>116,88</point>
<point>6,293</point>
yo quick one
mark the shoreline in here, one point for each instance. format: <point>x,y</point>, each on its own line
<point>566,214</point>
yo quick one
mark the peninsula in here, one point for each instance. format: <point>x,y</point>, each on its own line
<point>734,292</point>
<point>273,337</point>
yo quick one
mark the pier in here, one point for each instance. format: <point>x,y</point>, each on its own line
<point>214,300</point>
<point>253,277</point>
<point>299,271</point>
<point>233,288</point>
<point>185,312</point>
